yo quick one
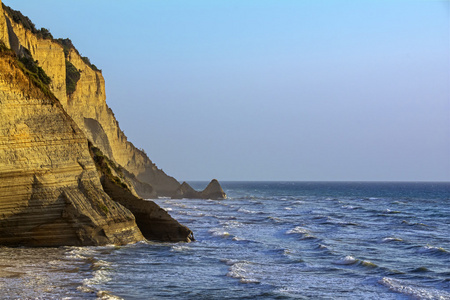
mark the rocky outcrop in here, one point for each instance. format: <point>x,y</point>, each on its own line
<point>153,221</point>
<point>50,192</point>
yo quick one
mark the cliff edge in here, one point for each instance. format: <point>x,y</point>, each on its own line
<point>80,87</point>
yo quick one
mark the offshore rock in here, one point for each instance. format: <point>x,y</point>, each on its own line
<point>50,192</point>
<point>213,191</point>
<point>186,191</point>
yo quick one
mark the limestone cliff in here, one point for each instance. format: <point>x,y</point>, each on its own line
<point>50,192</point>
<point>85,102</point>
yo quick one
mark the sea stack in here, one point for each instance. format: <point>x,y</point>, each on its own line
<point>213,191</point>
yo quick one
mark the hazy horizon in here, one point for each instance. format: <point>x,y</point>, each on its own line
<point>272,90</point>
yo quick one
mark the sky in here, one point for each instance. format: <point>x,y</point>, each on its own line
<point>307,90</point>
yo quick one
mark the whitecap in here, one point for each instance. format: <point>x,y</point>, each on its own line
<point>180,248</point>
<point>219,232</point>
<point>433,250</point>
<point>105,295</point>
<point>242,270</point>
<point>391,239</point>
<point>348,260</point>
<point>406,288</point>
<point>100,276</point>
<point>288,208</point>
<point>247,211</point>
<point>298,230</point>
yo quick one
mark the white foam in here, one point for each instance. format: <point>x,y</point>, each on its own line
<point>180,248</point>
<point>247,211</point>
<point>219,232</point>
<point>242,270</point>
<point>100,276</point>
<point>348,260</point>
<point>105,295</point>
<point>432,249</point>
<point>298,230</point>
<point>288,208</point>
<point>406,288</point>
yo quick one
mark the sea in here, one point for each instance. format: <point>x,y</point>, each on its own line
<point>268,240</point>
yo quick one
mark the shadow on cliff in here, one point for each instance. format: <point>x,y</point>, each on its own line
<point>153,221</point>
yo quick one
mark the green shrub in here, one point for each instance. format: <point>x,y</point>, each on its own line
<point>72,77</point>
<point>19,18</point>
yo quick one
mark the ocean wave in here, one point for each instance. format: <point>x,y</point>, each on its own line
<point>339,222</point>
<point>350,260</point>
<point>106,295</point>
<point>350,207</point>
<point>232,224</point>
<point>247,211</point>
<point>219,232</point>
<point>99,276</point>
<point>406,288</point>
<point>424,226</point>
<point>180,248</point>
<point>242,270</point>
<point>303,232</point>
<point>391,239</point>
<point>428,249</point>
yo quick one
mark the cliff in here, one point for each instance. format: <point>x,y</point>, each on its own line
<point>50,192</point>
<point>80,87</point>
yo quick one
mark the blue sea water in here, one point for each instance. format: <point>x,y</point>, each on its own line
<point>268,240</point>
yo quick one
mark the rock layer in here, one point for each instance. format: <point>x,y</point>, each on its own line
<point>50,192</point>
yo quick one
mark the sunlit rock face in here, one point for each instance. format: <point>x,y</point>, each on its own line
<point>50,192</point>
<point>86,105</point>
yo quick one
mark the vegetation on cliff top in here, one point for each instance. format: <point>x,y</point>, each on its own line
<point>19,18</point>
<point>44,33</point>
<point>68,45</point>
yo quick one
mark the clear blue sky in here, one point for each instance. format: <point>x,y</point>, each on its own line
<point>272,90</point>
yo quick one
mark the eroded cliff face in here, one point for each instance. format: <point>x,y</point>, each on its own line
<point>86,104</point>
<point>50,192</point>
